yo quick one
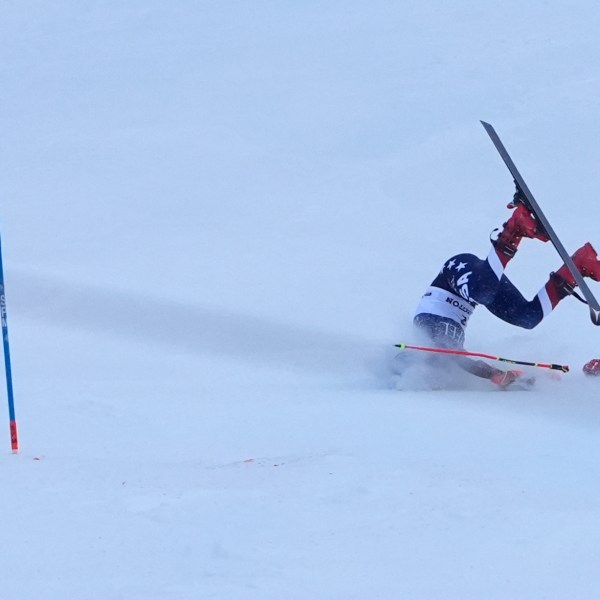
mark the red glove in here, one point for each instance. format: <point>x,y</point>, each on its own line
<point>505,378</point>
<point>592,367</point>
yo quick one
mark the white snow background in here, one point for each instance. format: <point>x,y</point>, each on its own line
<point>217,219</point>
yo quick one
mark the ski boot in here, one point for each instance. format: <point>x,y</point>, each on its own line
<point>587,263</point>
<point>522,223</point>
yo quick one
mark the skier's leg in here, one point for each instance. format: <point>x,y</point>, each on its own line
<point>510,305</point>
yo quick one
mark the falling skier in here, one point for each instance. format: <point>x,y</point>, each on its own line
<point>466,281</point>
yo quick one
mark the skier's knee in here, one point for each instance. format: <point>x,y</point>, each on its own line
<point>529,324</point>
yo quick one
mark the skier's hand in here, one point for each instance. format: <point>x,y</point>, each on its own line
<point>505,378</point>
<point>592,367</point>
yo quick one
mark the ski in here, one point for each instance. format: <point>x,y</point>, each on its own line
<point>532,204</point>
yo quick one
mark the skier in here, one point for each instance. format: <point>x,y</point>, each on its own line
<point>466,281</point>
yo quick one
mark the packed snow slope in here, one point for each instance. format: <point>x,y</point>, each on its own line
<point>217,219</point>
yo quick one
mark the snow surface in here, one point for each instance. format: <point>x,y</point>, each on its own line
<point>217,219</point>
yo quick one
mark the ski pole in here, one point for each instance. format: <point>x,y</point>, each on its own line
<point>14,440</point>
<point>563,368</point>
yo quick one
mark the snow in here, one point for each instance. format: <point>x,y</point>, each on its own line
<point>217,219</point>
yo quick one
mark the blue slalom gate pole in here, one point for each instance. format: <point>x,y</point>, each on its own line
<point>14,439</point>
